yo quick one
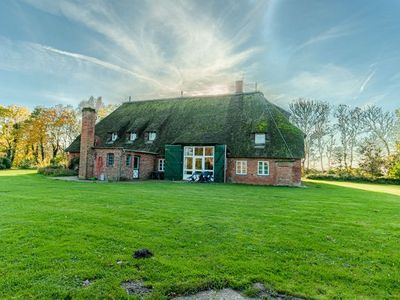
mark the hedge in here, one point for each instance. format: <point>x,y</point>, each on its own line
<point>57,171</point>
<point>351,178</point>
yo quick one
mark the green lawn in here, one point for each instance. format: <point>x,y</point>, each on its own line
<point>324,241</point>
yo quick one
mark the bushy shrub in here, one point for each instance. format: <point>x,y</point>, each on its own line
<point>394,171</point>
<point>5,163</point>
<point>27,164</point>
<point>58,161</point>
<point>56,171</point>
<point>74,164</point>
<point>311,171</point>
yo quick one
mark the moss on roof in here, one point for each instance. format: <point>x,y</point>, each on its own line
<point>224,119</point>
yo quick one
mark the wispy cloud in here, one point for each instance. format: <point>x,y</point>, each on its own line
<point>366,81</point>
<point>168,46</point>
<point>95,61</point>
<point>346,28</point>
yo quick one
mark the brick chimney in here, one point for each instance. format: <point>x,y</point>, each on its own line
<point>86,160</point>
<point>239,87</point>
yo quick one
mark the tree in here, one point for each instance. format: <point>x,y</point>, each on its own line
<point>330,145</point>
<point>380,124</point>
<point>36,139</point>
<point>311,117</point>
<point>101,108</point>
<point>371,161</point>
<point>350,126</point>
<point>62,127</point>
<point>11,119</point>
<point>321,128</point>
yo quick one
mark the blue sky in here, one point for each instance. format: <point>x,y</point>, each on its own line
<point>65,51</point>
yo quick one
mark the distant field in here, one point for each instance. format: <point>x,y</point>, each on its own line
<point>324,241</point>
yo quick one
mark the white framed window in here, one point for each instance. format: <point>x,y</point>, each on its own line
<point>132,136</point>
<point>161,164</point>
<point>198,159</point>
<point>263,168</point>
<point>259,138</point>
<point>241,167</point>
<point>114,136</point>
<point>152,135</point>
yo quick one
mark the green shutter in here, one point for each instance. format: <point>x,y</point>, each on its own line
<point>219,165</point>
<point>173,162</point>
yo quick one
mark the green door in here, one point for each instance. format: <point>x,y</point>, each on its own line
<point>173,162</point>
<point>219,163</point>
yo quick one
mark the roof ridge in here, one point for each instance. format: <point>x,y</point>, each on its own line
<point>191,97</point>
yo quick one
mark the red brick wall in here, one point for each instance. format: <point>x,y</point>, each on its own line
<point>72,155</point>
<point>281,172</point>
<point>119,171</point>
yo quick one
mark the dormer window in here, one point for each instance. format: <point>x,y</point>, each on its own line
<point>132,136</point>
<point>114,136</point>
<point>259,139</point>
<point>152,136</point>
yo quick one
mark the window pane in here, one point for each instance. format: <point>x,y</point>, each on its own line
<point>260,138</point>
<point>110,159</point>
<point>237,167</point>
<point>209,163</point>
<point>209,151</point>
<point>188,151</point>
<point>188,163</point>
<point>199,164</point>
<point>161,165</point>
<point>136,162</point>
<point>133,136</point>
<point>266,168</point>
<point>198,151</point>
<point>128,161</point>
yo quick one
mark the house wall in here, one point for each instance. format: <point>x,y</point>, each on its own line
<point>281,172</point>
<point>72,155</point>
<point>119,171</point>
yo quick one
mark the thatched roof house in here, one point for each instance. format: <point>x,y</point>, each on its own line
<point>240,137</point>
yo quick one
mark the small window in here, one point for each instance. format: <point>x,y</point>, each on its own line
<point>152,135</point>
<point>110,159</point>
<point>263,168</point>
<point>114,136</point>
<point>241,167</point>
<point>128,161</point>
<point>132,136</point>
<point>259,138</point>
<point>161,164</point>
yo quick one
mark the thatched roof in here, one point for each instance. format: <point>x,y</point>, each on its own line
<point>226,119</point>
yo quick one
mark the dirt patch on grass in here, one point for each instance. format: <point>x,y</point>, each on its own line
<point>256,292</point>
<point>136,288</point>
